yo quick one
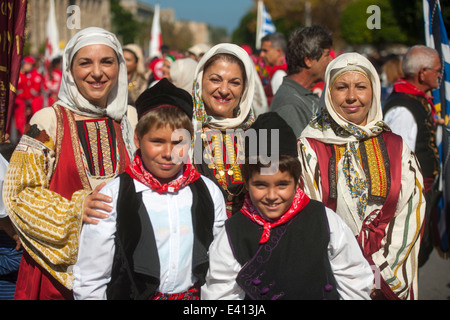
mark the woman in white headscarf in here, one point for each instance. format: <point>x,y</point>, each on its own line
<point>224,87</point>
<point>69,151</point>
<point>137,76</point>
<point>359,168</point>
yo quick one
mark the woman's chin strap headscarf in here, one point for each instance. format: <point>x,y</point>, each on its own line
<point>347,62</point>
<point>244,117</point>
<point>71,98</point>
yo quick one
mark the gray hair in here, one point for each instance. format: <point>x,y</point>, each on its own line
<point>277,40</point>
<point>307,42</point>
<point>416,58</point>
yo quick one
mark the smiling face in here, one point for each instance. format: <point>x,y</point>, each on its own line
<point>95,69</point>
<point>351,96</point>
<point>161,156</point>
<point>222,88</point>
<point>272,195</point>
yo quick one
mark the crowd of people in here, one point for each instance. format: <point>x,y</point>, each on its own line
<point>219,173</point>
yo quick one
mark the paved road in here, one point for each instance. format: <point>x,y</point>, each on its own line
<point>434,278</point>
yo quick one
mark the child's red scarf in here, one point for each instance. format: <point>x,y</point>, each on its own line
<point>299,202</point>
<point>137,171</point>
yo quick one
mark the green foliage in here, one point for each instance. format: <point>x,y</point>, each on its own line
<point>123,23</point>
<point>354,24</point>
<point>246,31</point>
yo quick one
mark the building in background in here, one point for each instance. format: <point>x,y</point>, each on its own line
<point>91,13</point>
<point>97,13</point>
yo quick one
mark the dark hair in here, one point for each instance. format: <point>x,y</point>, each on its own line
<point>160,117</point>
<point>229,58</point>
<point>277,40</point>
<point>285,163</point>
<point>132,52</point>
<point>307,42</point>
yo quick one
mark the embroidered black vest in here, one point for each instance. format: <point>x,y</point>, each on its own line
<point>425,148</point>
<point>136,269</point>
<point>293,264</point>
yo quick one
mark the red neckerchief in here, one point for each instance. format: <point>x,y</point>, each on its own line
<point>273,69</point>
<point>299,202</point>
<point>403,86</point>
<point>137,171</point>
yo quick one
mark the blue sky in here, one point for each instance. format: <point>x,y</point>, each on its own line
<point>217,13</point>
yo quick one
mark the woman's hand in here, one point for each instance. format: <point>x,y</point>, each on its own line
<point>94,202</point>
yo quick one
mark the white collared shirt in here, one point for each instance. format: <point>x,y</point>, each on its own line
<point>170,215</point>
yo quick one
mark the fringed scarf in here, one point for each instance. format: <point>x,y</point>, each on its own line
<point>138,172</point>
<point>248,209</point>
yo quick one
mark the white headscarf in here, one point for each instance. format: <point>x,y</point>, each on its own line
<point>182,73</point>
<point>244,117</point>
<point>69,95</point>
<point>321,128</point>
<point>137,51</point>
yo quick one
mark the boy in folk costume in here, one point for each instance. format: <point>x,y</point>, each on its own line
<point>154,244</point>
<point>283,245</point>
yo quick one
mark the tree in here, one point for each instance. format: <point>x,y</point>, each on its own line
<point>288,15</point>
<point>123,23</point>
<point>355,28</point>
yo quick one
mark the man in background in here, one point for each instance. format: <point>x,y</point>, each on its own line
<point>307,56</point>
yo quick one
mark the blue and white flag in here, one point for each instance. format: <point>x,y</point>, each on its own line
<point>264,24</point>
<point>436,37</point>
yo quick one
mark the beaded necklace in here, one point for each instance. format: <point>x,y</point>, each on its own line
<point>215,155</point>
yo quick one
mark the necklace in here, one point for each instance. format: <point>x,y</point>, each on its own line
<point>216,157</point>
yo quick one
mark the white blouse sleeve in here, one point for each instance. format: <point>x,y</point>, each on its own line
<point>223,269</point>
<point>402,122</point>
<point>352,272</point>
<point>92,272</point>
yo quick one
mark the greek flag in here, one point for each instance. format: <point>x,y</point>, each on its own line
<point>436,37</point>
<point>264,24</point>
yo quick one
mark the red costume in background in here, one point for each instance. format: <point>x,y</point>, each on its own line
<point>29,98</point>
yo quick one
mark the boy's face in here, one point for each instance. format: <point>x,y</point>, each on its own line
<point>161,156</point>
<point>272,195</point>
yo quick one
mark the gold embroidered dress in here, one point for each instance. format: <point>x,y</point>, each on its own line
<point>360,177</point>
<point>220,140</point>
<point>49,222</point>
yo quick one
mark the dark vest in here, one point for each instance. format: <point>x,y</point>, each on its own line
<point>293,264</point>
<point>136,269</point>
<point>425,149</point>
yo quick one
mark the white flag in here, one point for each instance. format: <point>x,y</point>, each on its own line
<point>155,37</point>
<point>52,49</point>
<point>264,24</point>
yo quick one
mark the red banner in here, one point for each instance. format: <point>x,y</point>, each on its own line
<point>12,26</point>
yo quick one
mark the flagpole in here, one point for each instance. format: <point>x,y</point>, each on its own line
<point>259,24</point>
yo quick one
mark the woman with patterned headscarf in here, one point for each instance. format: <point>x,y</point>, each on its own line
<point>224,87</point>
<point>359,168</point>
<point>66,155</point>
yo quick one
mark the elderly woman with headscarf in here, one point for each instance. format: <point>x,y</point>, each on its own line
<point>68,153</point>
<point>359,168</point>
<point>224,86</point>
<point>137,76</point>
